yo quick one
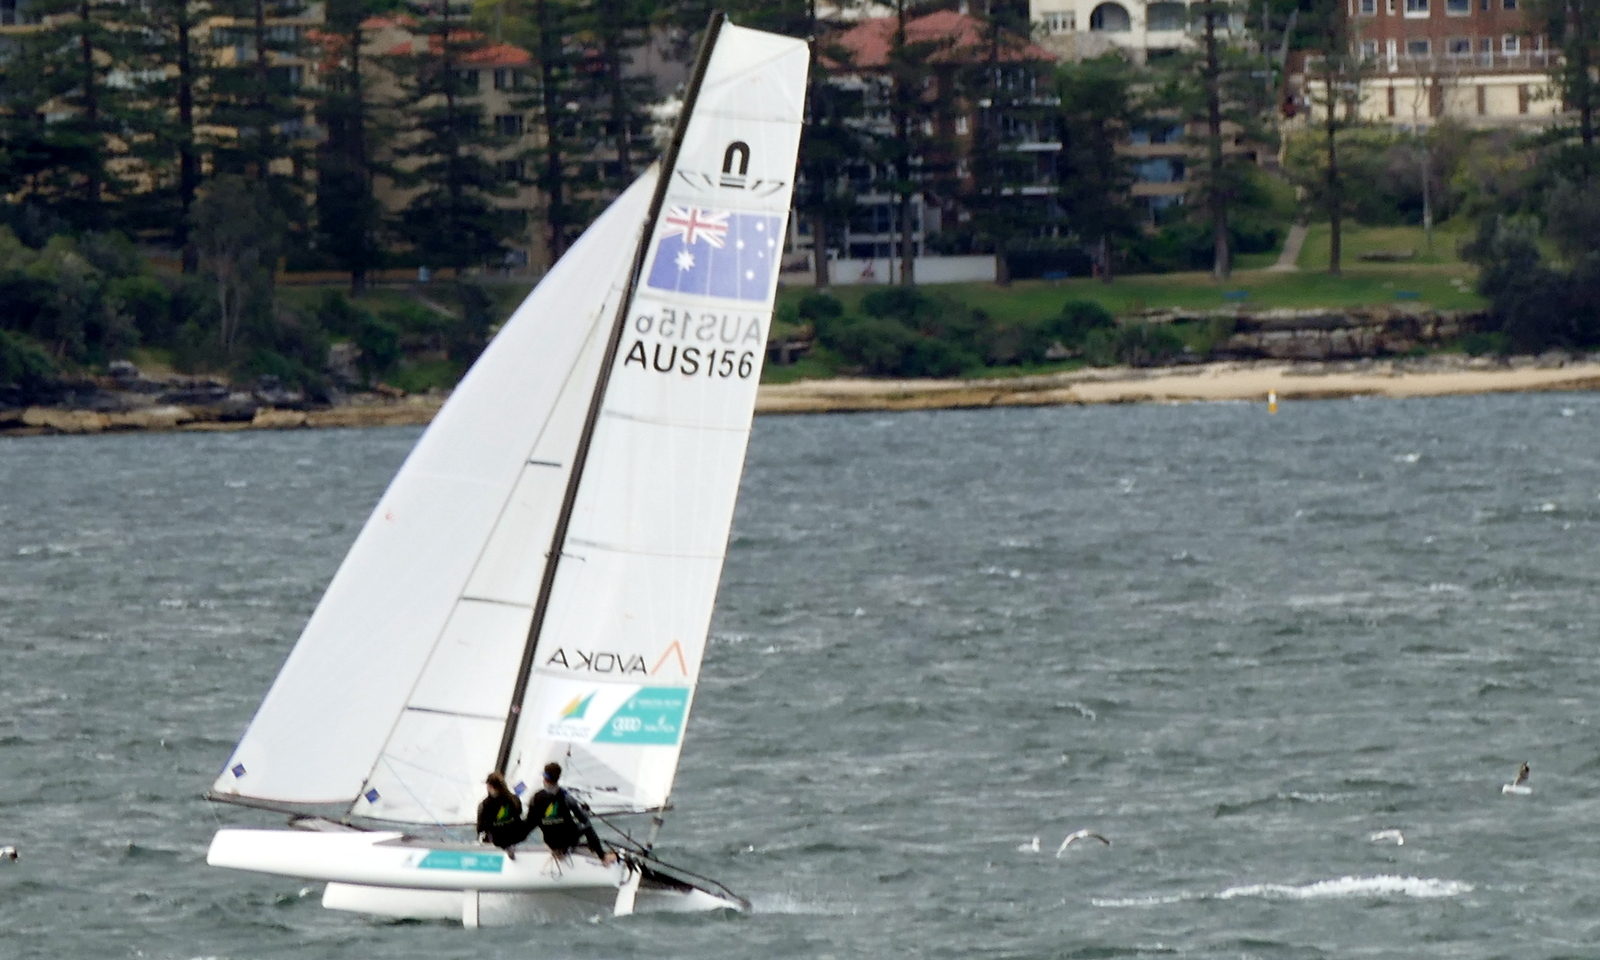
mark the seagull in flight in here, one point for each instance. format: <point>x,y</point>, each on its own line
<point>1520,785</point>
<point>1079,835</point>
<point>8,853</point>
<point>1029,847</point>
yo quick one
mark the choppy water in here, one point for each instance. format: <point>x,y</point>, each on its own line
<point>1237,645</point>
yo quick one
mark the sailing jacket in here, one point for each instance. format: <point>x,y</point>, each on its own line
<point>500,819</point>
<point>563,821</point>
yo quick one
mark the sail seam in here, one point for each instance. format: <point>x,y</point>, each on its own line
<point>645,553</point>
<point>680,425</point>
<point>451,713</point>
<point>502,603</point>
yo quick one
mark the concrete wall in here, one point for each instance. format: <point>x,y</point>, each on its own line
<point>850,273</point>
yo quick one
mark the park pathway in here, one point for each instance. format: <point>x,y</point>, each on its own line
<point>1291,249</point>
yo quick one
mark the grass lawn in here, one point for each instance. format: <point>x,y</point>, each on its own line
<point>1360,285</point>
<point>1447,239</point>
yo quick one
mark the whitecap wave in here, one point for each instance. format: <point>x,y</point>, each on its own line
<point>1421,888</point>
<point>1424,888</point>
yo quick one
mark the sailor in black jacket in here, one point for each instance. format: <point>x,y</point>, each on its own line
<point>563,819</point>
<point>500,814</point>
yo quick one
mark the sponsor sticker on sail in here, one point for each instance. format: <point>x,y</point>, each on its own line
<point>630,714</point>
<point>716,253</point>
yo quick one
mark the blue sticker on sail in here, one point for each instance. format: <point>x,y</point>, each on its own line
<point>652,717</point>
<point>371,795</point>
<point>457,860</point>
<point>238,770</point>
<point>716,253</point>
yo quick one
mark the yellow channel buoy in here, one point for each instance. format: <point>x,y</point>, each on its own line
<point>1272,401</point>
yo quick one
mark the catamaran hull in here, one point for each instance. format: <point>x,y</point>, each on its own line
<point>475,908</point>
<point>386,874</point>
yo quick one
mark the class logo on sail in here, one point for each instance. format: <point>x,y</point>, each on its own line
<point>716,253</point>
<point>576,708</point>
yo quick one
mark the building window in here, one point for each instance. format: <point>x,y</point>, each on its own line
<point>1538,44</point>
<point>1459,47</point>
<point>1111,18</point>
<point>1369,49</point>
<point>1417,48</point>
<point>1458,8</point>
<point>1369,7</point>
<point>1165,16</point>
<point>1391,8</point>
<point>469,79</point>
<point>1416,8</point>
<point>1060,21</point>
<point>1509,4</point>
<point>1510,44</point>
<point>513,171</point>
<point>961,126</point>
<point>502,79</point>
<point>508,124</point>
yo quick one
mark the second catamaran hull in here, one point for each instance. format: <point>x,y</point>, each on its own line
<point>475,908</point>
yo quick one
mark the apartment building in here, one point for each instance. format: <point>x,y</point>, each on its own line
<point>1476,61</point>
<point>863,70</point>
<point>1082,29</point>
<point>501,84</point>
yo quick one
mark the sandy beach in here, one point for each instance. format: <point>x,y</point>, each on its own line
<point>1253,380</point>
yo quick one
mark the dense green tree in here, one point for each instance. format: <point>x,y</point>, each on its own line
<point>1574,29</point>
<point>1219,90</point>
<point>999,83</point>
<point>349,216</point>
<point>172,61</point>
<point>1099,105</point>
<point>238,232</point>
<point>451,220</point>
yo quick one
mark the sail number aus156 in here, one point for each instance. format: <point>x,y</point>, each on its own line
<point>706,344</point>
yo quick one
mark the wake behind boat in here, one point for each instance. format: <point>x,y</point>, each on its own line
<point>537,583</point>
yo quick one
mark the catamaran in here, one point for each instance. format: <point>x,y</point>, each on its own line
<point>537,582</point>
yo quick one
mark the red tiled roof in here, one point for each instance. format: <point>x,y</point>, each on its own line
<point>868,43</point>
<point>379,22</point>
<point>499,55</point>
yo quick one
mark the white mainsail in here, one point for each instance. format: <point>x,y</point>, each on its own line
<point>617,661</point>
<point>395,701</point>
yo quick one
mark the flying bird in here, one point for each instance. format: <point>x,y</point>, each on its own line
<point>1395,835</point>
<point>1518,786</point>
<point>1029,847</point>
<point>1080,835</point>
<point>8,853</point>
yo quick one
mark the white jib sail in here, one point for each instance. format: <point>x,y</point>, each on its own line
<point>395,697</point>
<point>618,657</point>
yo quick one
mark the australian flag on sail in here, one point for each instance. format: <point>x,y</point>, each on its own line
<point>716,253</point>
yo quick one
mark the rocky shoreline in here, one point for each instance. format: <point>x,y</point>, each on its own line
<point>194,404</point>
<point>127,400</point>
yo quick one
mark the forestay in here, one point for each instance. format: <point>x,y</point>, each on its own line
<point>398,688</point>
<point>616,663</point>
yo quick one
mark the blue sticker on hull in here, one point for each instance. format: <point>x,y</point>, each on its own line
<point>457,860</point>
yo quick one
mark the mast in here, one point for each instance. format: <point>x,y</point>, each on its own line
<point>569,498</point>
